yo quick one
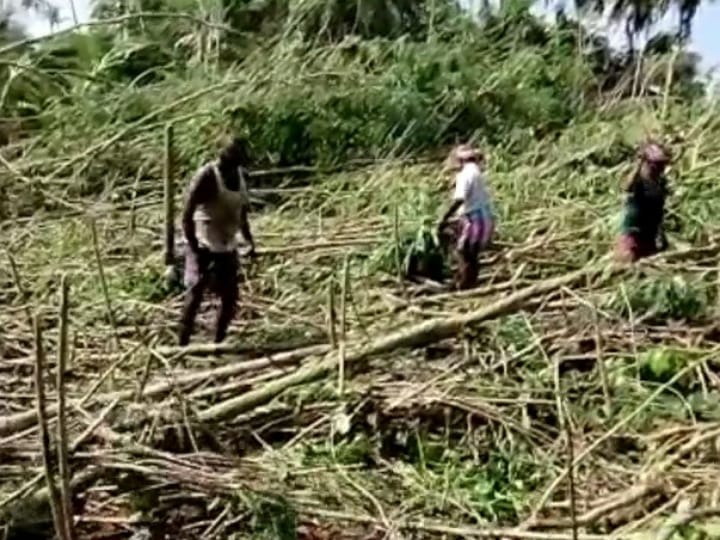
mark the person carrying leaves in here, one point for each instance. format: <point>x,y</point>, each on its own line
<point>216,209</point>
<point>642,231</point>
<point>475,226</point>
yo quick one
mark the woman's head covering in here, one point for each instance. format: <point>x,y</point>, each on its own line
<point>653,152</point>
<point>465,152</point>
<point>462,153</point>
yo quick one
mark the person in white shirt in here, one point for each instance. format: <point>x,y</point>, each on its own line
<point>475,227</point>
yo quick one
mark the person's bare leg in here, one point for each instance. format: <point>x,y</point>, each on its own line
<point>228,290</point>
<point>196,266</point>
<point>468,268</point>
<point>473,268</point>
<point>193,299</point>
<point>459,269</point>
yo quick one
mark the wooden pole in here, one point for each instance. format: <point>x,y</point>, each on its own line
<point>343,325</point>
<point>63,451</point>
<point>54,496</point>
<point>169,197</point>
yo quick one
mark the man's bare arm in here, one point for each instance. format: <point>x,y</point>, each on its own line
<point>200,190</point>
<point>245,228</point>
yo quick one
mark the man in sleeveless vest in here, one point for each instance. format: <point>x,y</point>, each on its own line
<point>216,209</point>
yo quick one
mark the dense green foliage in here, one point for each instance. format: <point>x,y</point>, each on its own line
<point>305,86</point>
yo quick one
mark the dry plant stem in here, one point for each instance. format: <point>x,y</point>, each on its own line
<point>144,377</point>
<point>602,368</point>
<point>173,353</point>
<point>23,491</point>
<point>555,365</point>
<point>107,373</point>
<point>29,181</point>
<point>668,81</point>
<point>343,326</point>
<point>631,316</point>
<point>459,531</point>
<point>637,525</point>
<point>169,197</point>
<point>35,481</point>
<point>55,503</point>
<point>103,283</point>
<point>63,458</point>
<point>416,335</point>
<point>332,315</point>
<point>95,424</point>
<point>718,285</point>
<point>118,20</point>
<point>85,157</point>
<point>211,531</point>
<point>640,490</point>
<point>360,489</point>
<point>398,256</point>
<point>571,479</point>
<point>132,219</point>
<point>685,518</point>
<point>21,421</point>
<point>19,286</point>
<point>42,497</point>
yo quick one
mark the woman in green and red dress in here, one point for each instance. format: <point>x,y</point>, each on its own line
<point>642,232</point>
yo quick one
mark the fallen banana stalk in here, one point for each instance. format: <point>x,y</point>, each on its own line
<point>416,335</point>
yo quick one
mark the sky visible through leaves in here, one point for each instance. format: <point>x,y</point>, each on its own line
<point>705,38</point>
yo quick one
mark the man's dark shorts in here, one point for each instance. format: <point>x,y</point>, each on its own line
<point>219,270</point>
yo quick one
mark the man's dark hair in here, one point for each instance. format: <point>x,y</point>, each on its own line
<point>236,150</point>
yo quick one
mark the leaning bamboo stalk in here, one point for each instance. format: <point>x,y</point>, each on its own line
<point>55,504</point>
<point>416,335</point>
<point>63,458</point>
<point>19,286</point>
<point>103,282</point>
